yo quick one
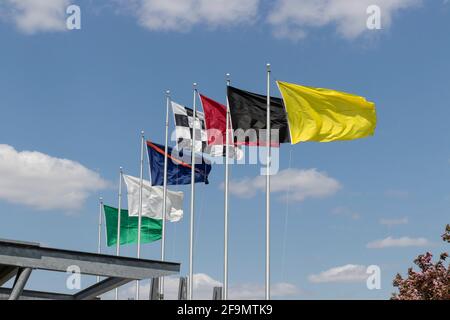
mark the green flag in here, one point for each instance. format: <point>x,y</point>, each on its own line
<point>150,228</point>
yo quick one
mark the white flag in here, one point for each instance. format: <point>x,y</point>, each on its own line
<point>152,200</point>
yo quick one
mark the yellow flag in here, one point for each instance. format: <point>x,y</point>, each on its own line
<point>323,115</point>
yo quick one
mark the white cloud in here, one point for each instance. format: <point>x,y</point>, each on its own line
<point>391,242</point>
<point>32,16</point>
<point>294,18</point>
<point>299,184</point>
<point>203,286</point>
<point>344,211</point>
<point>203,289</point>
<point>181,15</point>
<point>394,222</point>
<point>44,182</point>
<point>289,18</point>
<point>347,273</point>
<point>257,292</point>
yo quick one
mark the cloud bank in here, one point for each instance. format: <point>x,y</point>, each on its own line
<point>182,15</point>
<point>299,184</point>
<point>33,16</point>
<point>43,182</point>
<point>347,273</point>
<point>294,19</point>
<point>391,242</point>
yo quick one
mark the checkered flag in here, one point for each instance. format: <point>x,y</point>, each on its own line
<point>184,128</point>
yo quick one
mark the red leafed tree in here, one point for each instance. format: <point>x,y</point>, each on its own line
<point>432,282</point>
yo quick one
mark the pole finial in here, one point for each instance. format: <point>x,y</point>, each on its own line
<point>167,92</point>
<point>121,168</point>
<point>142,132</point>
<point>101,199</point>
<point>268,66</point>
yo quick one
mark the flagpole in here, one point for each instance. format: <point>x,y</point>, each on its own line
<point>141,177</point>
<point>119,210</point>
<point>163,235</point>
<point>227,162</point>
<point>99,243</point>
<point>268,138</point>
<point>191,234</point>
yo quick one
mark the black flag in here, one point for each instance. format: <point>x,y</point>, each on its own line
<point>249,115</point>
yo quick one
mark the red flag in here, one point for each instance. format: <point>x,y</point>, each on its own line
<point>216,123</point>
<point>215,120</point>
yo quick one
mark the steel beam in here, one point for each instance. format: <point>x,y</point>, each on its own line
<point>182,289</point>
<point>22,257</point>
<point>35,295</point>
<point>100,288</point>
<point>7,273</point>
<point>154,290</point>
<point>217,293</point>
<point>26,255</point>
<point>21,280</point>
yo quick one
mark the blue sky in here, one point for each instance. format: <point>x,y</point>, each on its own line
<point>84,95</point>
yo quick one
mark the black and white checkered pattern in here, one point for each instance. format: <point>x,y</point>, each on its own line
<point>184,128</point>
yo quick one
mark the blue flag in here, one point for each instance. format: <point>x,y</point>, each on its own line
<point>178,171</point>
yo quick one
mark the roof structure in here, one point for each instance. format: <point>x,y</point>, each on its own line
<point>18,260</point>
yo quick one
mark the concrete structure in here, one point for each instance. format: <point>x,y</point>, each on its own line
<point>19,259</point>
<point>217,293</point>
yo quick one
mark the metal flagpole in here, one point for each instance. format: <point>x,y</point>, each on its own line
<point>227,162</point>
<point>141,177</point>
<point>191,235</point>
<point>163,235</point>
<point>119,210</point>
<point>268,142</point>
<point>99,243</point>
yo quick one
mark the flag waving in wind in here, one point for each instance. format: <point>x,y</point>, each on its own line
<point>216,123</point>
<point>152,200</point>
<point>323,115</point>
<point>178,171</point>
<point>151,229</point>
<point>249,116</point>
<point>184,128</point>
